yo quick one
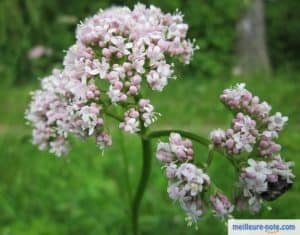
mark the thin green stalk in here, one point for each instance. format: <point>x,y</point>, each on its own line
<point>126,168</point>
<point>209,158</point>
<point>203,141</point>
<point>146,169</point>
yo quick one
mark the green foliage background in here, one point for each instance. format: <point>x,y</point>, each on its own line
<point>283,33</point>
<point>85,193</point>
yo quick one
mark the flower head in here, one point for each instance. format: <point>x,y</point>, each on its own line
<point>117,51</point>
<point>186,180</point>
<point>221,205</point>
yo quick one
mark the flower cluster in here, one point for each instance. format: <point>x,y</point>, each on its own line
<point>253,131</point>
<point>239,138</point>
<point>134,44</point>
<point>239,98</point>
<point>186,181</point>
<point>264,181</point>
<point>115,51</point>
<point>252,126</point>
<point>132,117</point>
<point>58,109</point>
<point>222,207</point>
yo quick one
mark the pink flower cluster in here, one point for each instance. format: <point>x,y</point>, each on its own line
<point>131,121</point>
<point>186,180</point>
<point>222,207</point>
<point>177,149</point>
<point>132,117</point>
<point>253,130</point>
<point>134,44</point>
<point>115,51</point>
<point>239,98</point>
<point>252,126</point>
<point>58,109</point>
<point>239,138</point>
<point>264,181</point>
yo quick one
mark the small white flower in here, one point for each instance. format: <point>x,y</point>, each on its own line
<point>164,153</point>
<point>277,122</point>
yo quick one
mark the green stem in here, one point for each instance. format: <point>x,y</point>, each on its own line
<point>126,168</point>
<point>146,148</point>
<point>203,141</point>
<point>209,158</point>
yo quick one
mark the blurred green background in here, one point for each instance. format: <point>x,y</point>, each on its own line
<point>85,193</point>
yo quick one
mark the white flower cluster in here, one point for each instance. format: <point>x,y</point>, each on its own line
<point>186,181</point>
<point>264,181</point>
<point>115,51</point>
<point>251,125</point>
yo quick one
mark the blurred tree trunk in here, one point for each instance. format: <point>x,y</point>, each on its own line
<point>251,50</point>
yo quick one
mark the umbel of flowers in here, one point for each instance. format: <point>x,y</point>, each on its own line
<point>187,182</point>
<point>117,52</point>
<point>249,144</point>
<point>264,175</point>
<point>120,52</point>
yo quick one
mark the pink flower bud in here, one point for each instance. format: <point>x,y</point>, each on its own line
<point>106,52</point>
<point>230,143</point>
<point>133,90</point>
<point>272,178</point>
<point>136,80</point>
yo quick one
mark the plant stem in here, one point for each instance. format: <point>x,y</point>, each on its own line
<point>145,173</point>
<point>126,168</point>
<point>209,158</point>
<point>201,140</point>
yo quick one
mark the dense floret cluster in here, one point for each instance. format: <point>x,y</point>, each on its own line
<point>187,182</point>
<point>252,127</point>
<point>116,52</point>
<point>248,144</point>
<point>253,131</point>
<point>262,180</point>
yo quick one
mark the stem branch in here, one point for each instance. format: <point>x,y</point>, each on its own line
<point>209,157</point>
<point>201,140</point>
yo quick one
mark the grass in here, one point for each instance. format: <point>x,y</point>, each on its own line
<point>85,193</point>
